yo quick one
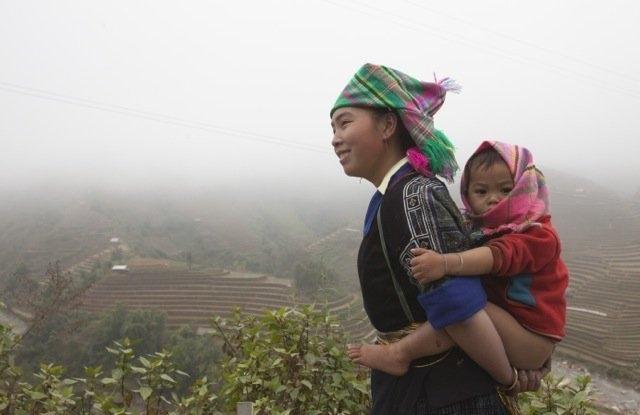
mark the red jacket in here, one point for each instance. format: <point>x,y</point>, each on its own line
<point>529,278</point>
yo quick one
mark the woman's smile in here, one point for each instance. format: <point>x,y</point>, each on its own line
<point>343,156</point>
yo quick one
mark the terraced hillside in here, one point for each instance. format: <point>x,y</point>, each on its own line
<point>339,252</point>
<point>603,322</point>
<point>187,297</point>
<point>600,232</point>
<point>355,322</point>
<point>192,298</point>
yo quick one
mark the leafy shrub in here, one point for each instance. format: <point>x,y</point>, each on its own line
<point>136,385</point>
<point>290,361</point>
<point>559,396</point>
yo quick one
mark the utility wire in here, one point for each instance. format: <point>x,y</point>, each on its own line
<point>452,37</point>
<point>152,116</point>
<point>523,42</point>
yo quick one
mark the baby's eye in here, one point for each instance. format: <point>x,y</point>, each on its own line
<point>506,190</point>
<point>480,191</point>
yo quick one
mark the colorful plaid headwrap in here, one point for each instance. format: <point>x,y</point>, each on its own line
<point>527,202</point>
<point>415,102</point>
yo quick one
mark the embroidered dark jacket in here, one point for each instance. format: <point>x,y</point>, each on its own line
<point>415,211</point>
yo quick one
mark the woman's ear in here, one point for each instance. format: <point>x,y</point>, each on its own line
<point>389,125</point>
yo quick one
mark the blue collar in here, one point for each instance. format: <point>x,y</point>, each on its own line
<point>376,199</point>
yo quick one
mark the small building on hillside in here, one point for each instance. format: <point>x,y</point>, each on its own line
<point>120,269</point>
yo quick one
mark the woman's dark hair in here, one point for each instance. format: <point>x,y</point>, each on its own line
<point>405,138</point>
<point>482,160</point>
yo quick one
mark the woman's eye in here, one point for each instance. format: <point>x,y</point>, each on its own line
<point>344,123</point>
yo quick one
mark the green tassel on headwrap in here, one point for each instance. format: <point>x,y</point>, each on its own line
<point>441,154</point>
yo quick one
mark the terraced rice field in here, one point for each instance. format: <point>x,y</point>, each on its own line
<point>192,298</point>
<point>603,322</point>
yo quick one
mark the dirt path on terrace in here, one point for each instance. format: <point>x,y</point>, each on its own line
<point>270,278</point>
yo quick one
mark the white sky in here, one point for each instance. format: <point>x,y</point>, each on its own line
<point>560,77</point>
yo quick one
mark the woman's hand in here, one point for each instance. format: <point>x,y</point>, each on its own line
<point>529,380</point>
<point>427,265</point>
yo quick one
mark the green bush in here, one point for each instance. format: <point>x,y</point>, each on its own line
<point>290,361</point>
<point>559,396</point>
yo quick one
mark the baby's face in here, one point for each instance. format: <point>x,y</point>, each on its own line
<point>488,186</point>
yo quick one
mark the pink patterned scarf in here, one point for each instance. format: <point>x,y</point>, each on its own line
<point>525,204</point>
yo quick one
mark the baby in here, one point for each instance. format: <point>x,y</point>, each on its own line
<point>518,264</point>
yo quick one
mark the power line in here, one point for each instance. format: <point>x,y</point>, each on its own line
<point>453,37</point>
<point>152,116</point>
<point>523,42</point>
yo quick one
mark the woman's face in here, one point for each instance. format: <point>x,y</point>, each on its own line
<point>357,141</point>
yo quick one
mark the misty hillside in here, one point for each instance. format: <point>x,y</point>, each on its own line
<point>253,229</point>
<point>587,214</point>
<point>268,233</point>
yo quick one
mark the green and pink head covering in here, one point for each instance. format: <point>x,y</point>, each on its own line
<point>415,102</point>
<point>527,202</point>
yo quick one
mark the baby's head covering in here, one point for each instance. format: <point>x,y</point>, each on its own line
<point>415,102</point>
<point>527,202</point>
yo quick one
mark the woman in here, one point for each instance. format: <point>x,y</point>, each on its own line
<point>381,117</point>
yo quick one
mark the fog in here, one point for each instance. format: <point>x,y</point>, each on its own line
<point>235,95</point>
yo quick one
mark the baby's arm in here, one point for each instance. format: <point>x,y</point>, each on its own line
<point>529,252</point>
<point>506,255</point>
<point>428,266</point>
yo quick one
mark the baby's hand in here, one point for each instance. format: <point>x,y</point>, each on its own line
<point>427,265</point>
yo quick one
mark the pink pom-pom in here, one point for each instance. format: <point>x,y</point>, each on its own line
<point>418,161</point>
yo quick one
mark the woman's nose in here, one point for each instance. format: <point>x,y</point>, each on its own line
<point>335,141</point>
